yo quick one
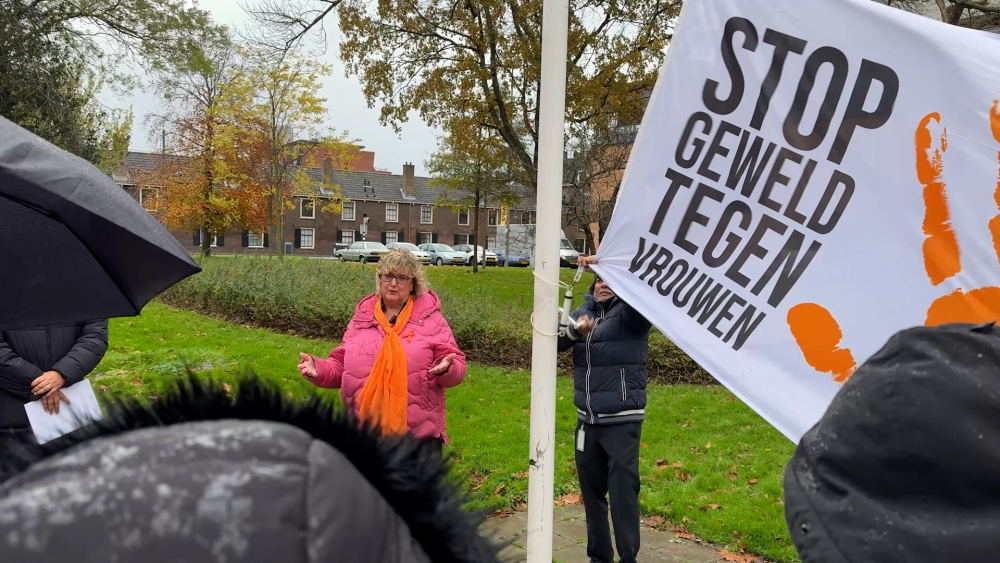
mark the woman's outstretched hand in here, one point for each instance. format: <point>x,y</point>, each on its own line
<point>586,262</point>
<point>307,367</point>
<point>442,365</point>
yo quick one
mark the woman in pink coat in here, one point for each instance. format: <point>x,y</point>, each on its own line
<point>397,356</point>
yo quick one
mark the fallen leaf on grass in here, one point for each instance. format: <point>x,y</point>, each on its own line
<point>521,476</point>
<point>499,489</point>
<point>476,480</point>
<point>687,536</point>
<point>708,445</point>
<point>643,445</point>
<point>570,498</point>
<point>753,481</point>
<point>731,476</point>
<point>714,506</point>
<point>737,557</point>
<point>683,476</point>
<point>656,521</point>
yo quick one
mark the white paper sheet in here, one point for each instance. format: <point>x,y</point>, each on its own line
<point>82,410</point>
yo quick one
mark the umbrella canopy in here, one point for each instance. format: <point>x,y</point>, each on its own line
<point>74,246</point>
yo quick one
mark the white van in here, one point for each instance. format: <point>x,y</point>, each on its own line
<point>568,256</point>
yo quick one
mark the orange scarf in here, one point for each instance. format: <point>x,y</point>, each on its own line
<point>383,398</point>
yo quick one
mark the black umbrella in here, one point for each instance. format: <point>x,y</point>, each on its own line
<point>74,245</point>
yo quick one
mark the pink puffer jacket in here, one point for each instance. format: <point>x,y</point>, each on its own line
<point>426,339</point>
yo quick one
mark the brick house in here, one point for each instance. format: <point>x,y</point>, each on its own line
<point>398,207</point>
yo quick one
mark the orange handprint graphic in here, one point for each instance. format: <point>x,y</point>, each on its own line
<point>818,334</point>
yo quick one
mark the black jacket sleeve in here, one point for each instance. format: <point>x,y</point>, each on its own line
<point>85,354</point>
<point>16,374</point>
<point>634,320</point>
<point>567,340</point>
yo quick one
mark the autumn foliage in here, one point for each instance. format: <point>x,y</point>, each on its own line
<point>235,117</point>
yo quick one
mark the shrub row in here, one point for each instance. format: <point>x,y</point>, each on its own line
<point>316,299</point>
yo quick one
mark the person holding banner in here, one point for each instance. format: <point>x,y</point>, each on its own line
<point>610,342</point>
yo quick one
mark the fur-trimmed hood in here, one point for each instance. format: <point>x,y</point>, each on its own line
<point>202,476</point>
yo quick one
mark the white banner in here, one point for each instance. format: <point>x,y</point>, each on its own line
<point>811,176</point>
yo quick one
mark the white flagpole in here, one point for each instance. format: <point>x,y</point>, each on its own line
<point>545,319</point>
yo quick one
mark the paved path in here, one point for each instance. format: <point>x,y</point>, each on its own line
<point>569,543</point>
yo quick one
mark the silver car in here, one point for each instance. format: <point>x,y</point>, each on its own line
<point>362,251</point>
<point>484,257</point>
<point>421,256</point>
<point>442,254</point>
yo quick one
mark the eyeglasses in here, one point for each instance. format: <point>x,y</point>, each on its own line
<point>400,278</point>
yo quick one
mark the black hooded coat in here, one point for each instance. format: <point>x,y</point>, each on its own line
<point>202,477</point>
<point>904,467</point>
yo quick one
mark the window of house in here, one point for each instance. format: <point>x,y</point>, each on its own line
<point>348,211</point>
<point>346,237</point>
<point>426,238</point>
<point>426,214</point>
<point>527,217</point>
<point>392,213</point>
<point>215,239</point>
<point>491,241</point>
<point>147,197</point>
<point>307,238</point>
<point>255,240</point>
<point>581,245</point>
<point>463,217</point>
<point>391,237</point>
<point>491,217</point>
<point>307,208</point>
<point>463,239</point>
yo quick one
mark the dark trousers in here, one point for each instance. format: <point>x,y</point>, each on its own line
<point>609,465</point>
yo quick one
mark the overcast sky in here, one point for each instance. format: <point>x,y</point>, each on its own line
<point>345,104</point>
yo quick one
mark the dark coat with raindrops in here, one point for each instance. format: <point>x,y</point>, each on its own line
<point>202,477</point>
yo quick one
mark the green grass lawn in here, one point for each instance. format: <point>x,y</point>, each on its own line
<point>708,462</point>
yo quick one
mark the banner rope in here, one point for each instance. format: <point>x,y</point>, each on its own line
<point>559,285</point>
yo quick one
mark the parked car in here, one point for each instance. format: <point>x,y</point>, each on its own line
<point>516,260</point>
<point>484,257</point>
<point>442,254</point>
<point>362,251</point>
<point>422,257</point>
<point>568,256</point>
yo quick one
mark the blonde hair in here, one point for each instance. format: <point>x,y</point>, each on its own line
<point>402,261</point>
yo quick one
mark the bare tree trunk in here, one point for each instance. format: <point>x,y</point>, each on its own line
<point>206,241</point>
<point>506,234</point>
<point>280,227</point>
<point>475,235</point>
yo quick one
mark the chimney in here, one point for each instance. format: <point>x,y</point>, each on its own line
<point>328,170</point>
<point>408,180</point>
